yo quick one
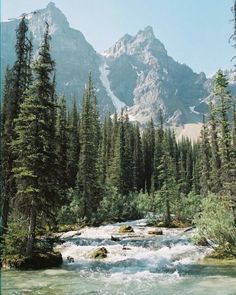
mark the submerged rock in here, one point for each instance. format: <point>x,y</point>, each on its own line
<point>99,253</point>
<point>70,259</point>
<point>37,261</point>
<point>126,248</point>
<point>156,232</point>
<point>115,239</point>
<point>125,229</point>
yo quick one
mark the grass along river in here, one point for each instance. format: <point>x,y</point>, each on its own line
<point>149,265</point>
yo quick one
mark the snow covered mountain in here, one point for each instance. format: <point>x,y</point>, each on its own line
<point>135,73</point>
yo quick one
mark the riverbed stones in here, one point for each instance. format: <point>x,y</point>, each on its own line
<point>155,232</point>
<point>125,229</point>
<point>99,253</point>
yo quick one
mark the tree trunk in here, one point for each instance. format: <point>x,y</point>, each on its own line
<point>5,213</point>
<point>167,216</point>
<point>31,233</point>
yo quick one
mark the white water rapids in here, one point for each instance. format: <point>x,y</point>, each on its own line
<point>149,265</point>
<point>145,252</point>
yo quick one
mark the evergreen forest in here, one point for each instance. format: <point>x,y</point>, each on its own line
<point>67,165</point>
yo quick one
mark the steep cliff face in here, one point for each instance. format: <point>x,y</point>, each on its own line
<point>74,56</point>
<point>135,73</point>
<point>144,77</point>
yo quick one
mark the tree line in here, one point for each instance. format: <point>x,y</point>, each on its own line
<point>62,165</point>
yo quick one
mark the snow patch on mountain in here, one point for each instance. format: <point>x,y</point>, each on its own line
<point>174,117</point>
<point>192,109</point>
<point>104,72</point>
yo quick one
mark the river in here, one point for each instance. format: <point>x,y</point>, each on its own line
<point>146,265</point>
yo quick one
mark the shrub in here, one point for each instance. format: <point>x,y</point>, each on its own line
<point>15,238</point>
<point>216,222</point>
<point>190,205</point>
<point>116,207</point>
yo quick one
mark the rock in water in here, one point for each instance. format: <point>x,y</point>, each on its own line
<point>115,239</point>
<point>99,253</point>
<point>70,259</point>
<point>125,229</point>
<point>155,232</point>
<point>37,261</point>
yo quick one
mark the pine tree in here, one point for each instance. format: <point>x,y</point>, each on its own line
<point>62,146</point>
<point>138,181</point>
<point>106,149</point>
<point>169,188</point>
<point>37,191</point>
<point>221,92</point>
<point>196,168</point>
<point>215,156</point>
<point>185,166</point>
<point>16,82</point>
<point>158,151</point>
<point>205,159</point>
<point>7,192</point>
<point>88,179</point>
<point>148,142</point>
<point>73,147</point>
<point>117,169</point>
<point>233,158</point>
<point>128,156</point>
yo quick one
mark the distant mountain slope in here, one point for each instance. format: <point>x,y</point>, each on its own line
<point>135,73</point>
<point>74,56</point>
<point>145,78</point>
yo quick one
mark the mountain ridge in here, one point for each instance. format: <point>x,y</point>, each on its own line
<point>135,73</point>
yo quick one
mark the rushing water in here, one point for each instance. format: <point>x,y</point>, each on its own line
<point>160,265</point>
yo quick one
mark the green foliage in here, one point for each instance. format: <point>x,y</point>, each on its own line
<point>146,203</point>
<point>88,184</point>
<point>15,238</point>
<point>216,221</point>
<point>189,206</point>
<point>115,207</point>
<point>69,213</point>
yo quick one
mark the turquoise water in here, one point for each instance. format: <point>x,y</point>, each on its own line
<point>162,265</point>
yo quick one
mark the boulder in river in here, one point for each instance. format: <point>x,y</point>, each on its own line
<point>115,239</point>
<point>99,253</point>
<point>70,259</point>
<point>155,232</point>
<point>37,261</point>
<point>125,229</point>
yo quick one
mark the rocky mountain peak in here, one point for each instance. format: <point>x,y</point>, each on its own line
<point>51,5</point>
<point>135,72</point>
<point>52,15</point>
<point>147,33</point>
<point>143,41</point>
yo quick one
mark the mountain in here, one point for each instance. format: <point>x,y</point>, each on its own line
<point>135,73</point>
<point>74,56</point>
<point>144,77</point>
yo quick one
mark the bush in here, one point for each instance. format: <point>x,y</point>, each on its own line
<point>115,208</point>
<point>190,205</point>
<point>147,204</point>
<point>216,222</point>
<point>15,238</point>
<point>69,213</point>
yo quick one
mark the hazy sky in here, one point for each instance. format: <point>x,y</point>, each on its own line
<point>195,32</point>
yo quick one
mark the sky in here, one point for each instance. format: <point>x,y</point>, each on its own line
<point>194,32</point>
